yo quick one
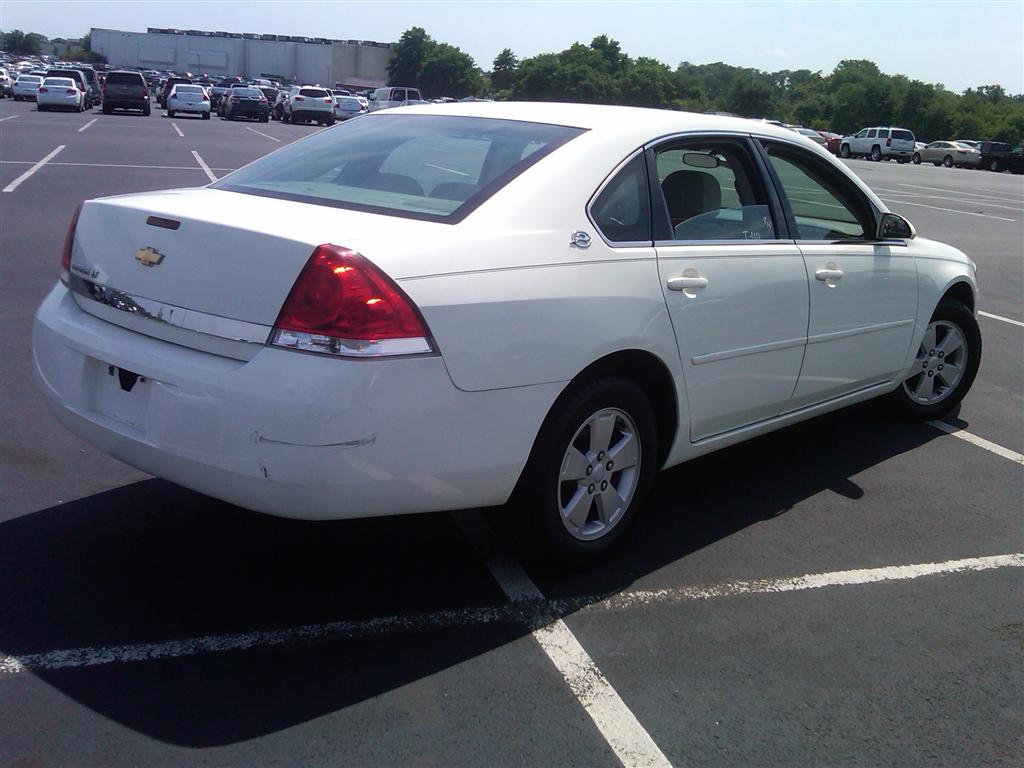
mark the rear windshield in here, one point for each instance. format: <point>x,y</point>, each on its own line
<point>59,82</point>
<point>30,79</point>
<point>188,89</point>
<point>904,135</point>
<point>347,101</point>
<point>431,167</point>
<point>251,93</point>
<point>316,93</point>
<point>124,78</point>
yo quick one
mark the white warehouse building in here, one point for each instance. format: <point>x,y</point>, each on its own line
<point>353,63</point>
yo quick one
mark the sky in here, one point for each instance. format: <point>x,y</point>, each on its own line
<point>958,44</point>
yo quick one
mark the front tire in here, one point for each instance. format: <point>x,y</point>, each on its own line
<point>995,166</point>
<point>591,467</point>
<point>947,161</point>
<point>917,159</point>
<point>944,368</point>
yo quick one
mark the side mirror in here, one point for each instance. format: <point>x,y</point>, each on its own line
<point>895,227</point>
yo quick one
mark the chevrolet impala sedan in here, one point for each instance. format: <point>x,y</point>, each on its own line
<point>477,304</point>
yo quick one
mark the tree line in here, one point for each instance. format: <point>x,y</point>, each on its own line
<point>32,43</point>
<point>855,94</point>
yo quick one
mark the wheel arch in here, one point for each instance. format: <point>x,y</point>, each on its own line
<point>962,291</point>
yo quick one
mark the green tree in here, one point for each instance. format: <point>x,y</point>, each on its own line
<point>751,96</point>
<point>448,71</point>
<point>19,42</point>
<point>408,56</point>
<point>503,70</point>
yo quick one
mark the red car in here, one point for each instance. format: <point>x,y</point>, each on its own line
<point>834,140</point>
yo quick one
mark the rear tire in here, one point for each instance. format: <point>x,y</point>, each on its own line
<point>844,151</point>
<point>146,111</point>
<point>206,115</point>
<point>876,153</point>
<point>917,159</point>
<point>170,113</point>
<point>944,367</point>
<point>576,520</point>
<point>995,166</point>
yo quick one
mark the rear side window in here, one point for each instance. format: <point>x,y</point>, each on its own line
<point>125,78</point>
<point>313,93</point>
<point>904,135</point>
<point>623,209</point>
<point>712,190</point>
<point>431,167</point>
<point>872,133</point>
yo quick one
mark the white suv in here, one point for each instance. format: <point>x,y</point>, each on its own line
<point>307,104</point>
<point>880,143</point>
<point>383,98</point>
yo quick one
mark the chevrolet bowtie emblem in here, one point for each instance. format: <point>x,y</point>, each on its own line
<point>150,257</point>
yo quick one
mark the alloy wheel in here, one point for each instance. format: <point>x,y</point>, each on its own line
<point>599,474</point>
<point>939,365</point>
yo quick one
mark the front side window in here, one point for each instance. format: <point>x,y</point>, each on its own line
<point>861,133</point>
<point>712,190</point>
<point>432,167</point>
<point>623,209</point>
<point>825,205</point>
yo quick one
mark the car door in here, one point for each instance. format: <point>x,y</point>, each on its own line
<point>863,291</point>
<point>735,286</point>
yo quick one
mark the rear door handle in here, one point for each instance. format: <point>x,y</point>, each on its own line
<point>684,283</point>
<point>829,274</point>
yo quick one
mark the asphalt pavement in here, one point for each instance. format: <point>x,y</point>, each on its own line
<point>843,592</point>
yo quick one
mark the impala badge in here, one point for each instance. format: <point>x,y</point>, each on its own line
<point>149,256</point>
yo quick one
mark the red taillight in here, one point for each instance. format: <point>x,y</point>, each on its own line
<point>328,100</point>
<point>344,304</point>
<point>205,97</point>
<point>72,91</point>
<point>42,90</point>
<point>263,101</point>
<point>69,240</point>
<point>888,142</point>
<point>299,98</point>
<point>234,99</point>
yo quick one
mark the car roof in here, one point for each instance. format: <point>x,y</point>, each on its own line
<point>641,121</point>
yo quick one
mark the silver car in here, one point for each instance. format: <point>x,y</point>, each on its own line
<point>346,107</point>
<point>949,154</point>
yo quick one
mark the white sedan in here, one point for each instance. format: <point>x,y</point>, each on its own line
<point>192,99</point>
<point>60,93</point>
<point>25,87</point>
<point>483,302</point>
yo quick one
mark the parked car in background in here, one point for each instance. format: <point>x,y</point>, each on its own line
<point>879,143</point>
<point>61,93</point>
<point>969,142</point>
<point>949,154</point>
<point>25,87</point>
<point>385,98</point>
<point>189,99</point>
<point>78,76</point>
<point>249,103</point>
<point>346,107</point>
<point>813,135</point>
<point>277,107</point>
<point>306,104</point>
<point>1011,160</point>
<point>6,83</point>
<point>270,92</point>
<point>165,88</point>
<point>220,89</point>
<point>93,83</point>
<point>995,155</point>
<point>124,89</point>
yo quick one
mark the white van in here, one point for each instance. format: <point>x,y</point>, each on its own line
<point>398,96</point>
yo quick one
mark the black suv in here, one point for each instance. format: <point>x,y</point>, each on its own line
<point>125,90</point>
<point>1000,156</point>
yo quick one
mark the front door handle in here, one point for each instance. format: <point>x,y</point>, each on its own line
<point>829,274</point>
<point>687,283</point>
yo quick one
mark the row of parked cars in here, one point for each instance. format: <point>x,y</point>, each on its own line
<point>893,143</point>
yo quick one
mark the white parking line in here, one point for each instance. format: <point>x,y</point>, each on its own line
<point>121,165</point>
<point>203,165</point>
<point>947,210</point>
<point>14,184</point>
<point>981,442</point>
<point>177,130</point>
<point>520,610</point>
<point>618,725</point>
<point>8,118</point>
<point>88,124</point>
<point>966,201</point>
<point>1009,320</point>
<point>995,193</point>
<point>264,135</point>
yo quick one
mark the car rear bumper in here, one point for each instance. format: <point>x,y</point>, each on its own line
<point>286,433</point>
<point>189,106</point>
<point>310,115</point>
<point>140,103</point>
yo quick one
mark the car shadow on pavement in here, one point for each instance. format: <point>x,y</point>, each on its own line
<point>152,562</point>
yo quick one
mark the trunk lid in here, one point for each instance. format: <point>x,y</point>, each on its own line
<point>232,255</point>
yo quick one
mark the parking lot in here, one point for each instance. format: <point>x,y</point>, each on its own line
<point>843,592</point>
